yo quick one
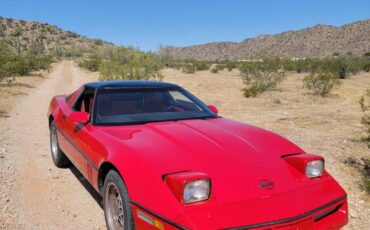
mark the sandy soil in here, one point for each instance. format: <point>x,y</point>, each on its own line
<point>36,195</point>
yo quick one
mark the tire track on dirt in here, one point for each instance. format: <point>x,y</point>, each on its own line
<point>42,196</point>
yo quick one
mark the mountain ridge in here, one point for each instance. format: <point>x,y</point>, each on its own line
<point>21,35</point>
<point>316,41</point>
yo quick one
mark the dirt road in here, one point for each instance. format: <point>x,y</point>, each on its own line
<point>36,195</point>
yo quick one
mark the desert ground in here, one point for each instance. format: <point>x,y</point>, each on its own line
<point>36,195</point>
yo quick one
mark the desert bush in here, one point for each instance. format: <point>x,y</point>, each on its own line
<point>17,32</point>
<point>321,83</point>
<point>214,70</point>
<point>220,66</point>
<point>130,64</point>
<point>36,48</point>
<point>365,107</point>
<point>261,81</point>
<point>72,34</point>
<point>13,64</point>
<point>230,65</point>
<point>201,65</point>
<point>189,68</point>
<point>363,166</point>
<point>261,76</point>
<point>91,63</point>
<point>98,42</point>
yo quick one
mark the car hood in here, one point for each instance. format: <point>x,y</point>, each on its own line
<point>236,157</point>
<point>231,153</point>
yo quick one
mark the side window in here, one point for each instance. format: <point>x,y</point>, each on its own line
<point>184,102</point>
<point>85,102</point>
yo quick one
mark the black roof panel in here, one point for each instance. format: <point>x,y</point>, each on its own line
<point>130,84</point>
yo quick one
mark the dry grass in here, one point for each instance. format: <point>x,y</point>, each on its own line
<point>327,126</point>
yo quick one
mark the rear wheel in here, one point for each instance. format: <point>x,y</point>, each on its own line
<point>60,160</point>
<point>117,209</point>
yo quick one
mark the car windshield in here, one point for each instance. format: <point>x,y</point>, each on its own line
<point>115,106</point>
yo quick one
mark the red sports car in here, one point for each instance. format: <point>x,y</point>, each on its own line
<point>161,159</point>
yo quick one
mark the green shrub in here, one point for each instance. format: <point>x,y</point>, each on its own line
<point>36,48</point>
<point>72,34</point>
<point>91,64</point>
<point>17,32</point>
<point>321,83</point>
<point>201,65</point>
<point>189,68</point>
<point>259,81</point>
<point>220,66</point>
<point>13,64</point>
<point>98,42</point>
<point>214,70</point>
<point>130,64</point>
<point>230,65</point>
<point>365,107</point>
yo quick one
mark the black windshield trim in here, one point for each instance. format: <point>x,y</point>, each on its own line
<point>148,122</point>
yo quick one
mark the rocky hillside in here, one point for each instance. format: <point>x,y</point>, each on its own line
<point>22,34</point>
<point>316,41</point>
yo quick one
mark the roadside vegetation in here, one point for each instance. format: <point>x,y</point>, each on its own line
<point>260,77</point>
<point>321,83</point>
<point>118,63</point>
<point>14,64</point>
<point>365,107</point>
<point>264,74</point>
<point>363,164</point>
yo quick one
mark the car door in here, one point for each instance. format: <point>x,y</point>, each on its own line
<point>77,135</point>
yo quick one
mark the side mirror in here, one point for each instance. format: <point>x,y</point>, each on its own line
<point>79,117</point>
<point>213,109</point>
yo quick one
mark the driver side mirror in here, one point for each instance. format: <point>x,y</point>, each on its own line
<point>79,117</point>
<point>213,109</point>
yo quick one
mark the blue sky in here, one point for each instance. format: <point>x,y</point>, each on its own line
<point>148,23</point>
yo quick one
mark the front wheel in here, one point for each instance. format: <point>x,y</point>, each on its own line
<point>117,209</point>
<point>60,160</point>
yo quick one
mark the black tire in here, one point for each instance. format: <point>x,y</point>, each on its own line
<point>113,183</point>
<point>59,158</point>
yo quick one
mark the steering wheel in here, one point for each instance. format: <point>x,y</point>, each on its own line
<point>171,107</point>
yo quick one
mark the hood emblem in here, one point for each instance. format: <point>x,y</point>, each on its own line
<point>266,184</point>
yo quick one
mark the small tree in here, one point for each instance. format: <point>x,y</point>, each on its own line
<point>258,82</point>
<point>321,83</point>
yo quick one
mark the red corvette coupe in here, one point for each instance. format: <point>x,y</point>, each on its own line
<point>161,159</point>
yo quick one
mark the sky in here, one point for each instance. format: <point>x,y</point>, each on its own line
<point>147,24</point>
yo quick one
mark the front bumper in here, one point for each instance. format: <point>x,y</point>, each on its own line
<point>333,215</point>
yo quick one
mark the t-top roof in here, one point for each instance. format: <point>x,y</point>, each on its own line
<point>130,84</point>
